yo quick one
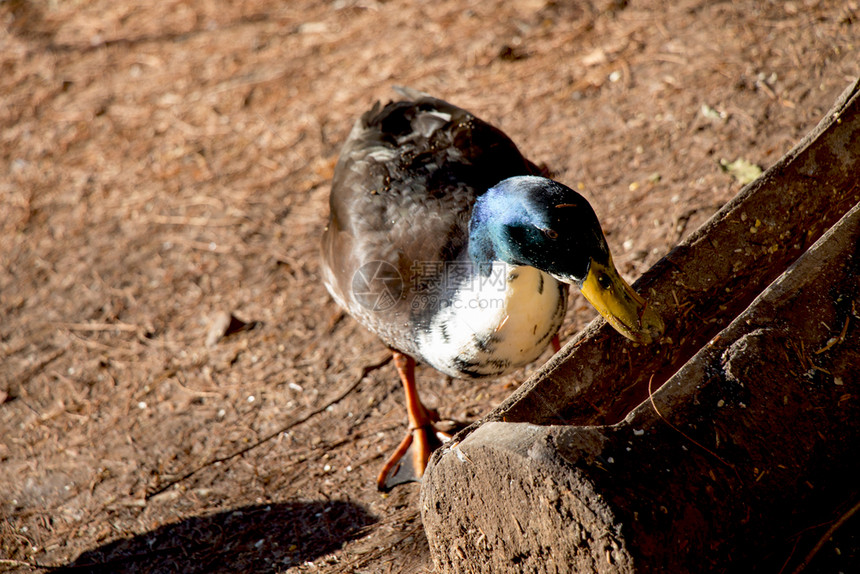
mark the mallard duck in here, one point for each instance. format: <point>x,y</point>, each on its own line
<point>449,245</point>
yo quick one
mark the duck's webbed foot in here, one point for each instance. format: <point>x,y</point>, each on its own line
<point>408,462</point>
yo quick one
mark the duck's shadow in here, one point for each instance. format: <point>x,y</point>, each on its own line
<point>263,538</point>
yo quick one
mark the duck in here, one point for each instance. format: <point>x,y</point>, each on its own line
<point>459,253</point>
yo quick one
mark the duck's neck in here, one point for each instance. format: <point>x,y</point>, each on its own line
<point>481,252</point>
<point>485,235</point>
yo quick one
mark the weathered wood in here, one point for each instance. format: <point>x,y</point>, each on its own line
<point>757,431</point>
<point>751,441</point>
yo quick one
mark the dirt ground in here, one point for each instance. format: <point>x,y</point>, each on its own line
<point>166,165</point>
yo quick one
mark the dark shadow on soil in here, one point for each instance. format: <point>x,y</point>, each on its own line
<point>262,538</point>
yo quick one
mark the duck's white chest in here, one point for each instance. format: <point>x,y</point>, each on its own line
<point>493,325</point>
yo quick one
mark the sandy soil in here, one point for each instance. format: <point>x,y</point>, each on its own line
<point>167,165</point>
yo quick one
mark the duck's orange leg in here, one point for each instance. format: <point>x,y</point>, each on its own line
<point>408,462</point>
<point>556,343</point>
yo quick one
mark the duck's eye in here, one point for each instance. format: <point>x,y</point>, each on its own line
<point>603,281</point>
<point>551,233</point>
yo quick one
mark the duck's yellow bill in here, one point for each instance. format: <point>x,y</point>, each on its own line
<point>622,307</point>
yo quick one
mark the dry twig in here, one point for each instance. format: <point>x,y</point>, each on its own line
<point>827,536</point>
